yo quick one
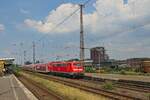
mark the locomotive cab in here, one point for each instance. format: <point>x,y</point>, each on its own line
<point>77,69</point>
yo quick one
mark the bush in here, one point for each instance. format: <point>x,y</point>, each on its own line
<point>108,85</point>
<point>89,70</point>
<point>107,69</point>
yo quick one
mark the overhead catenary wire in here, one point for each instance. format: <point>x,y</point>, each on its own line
<point>132,28</point>
<point>66,18</point>
<point>70,15</point>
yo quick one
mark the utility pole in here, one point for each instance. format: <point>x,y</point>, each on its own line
<point>21,53</point>
<point>42,52</point>
<point>24,54</point>
<point>81,36</point>
<point>33,52</point>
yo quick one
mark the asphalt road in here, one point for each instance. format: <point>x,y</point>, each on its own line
<point>11,89</point>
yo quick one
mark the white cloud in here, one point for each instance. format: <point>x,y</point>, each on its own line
<point>114,17</point>
<point>54,18</point>
<point>110,17</point>
<point>2,28</point>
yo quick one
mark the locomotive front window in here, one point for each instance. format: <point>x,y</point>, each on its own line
<point>54,65</point>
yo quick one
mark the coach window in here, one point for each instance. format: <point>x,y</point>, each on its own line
<point>59,65</point>
<point>64,65</point>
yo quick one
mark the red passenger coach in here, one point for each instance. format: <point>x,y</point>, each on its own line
<point>29,67</point>
<point>41,68</point>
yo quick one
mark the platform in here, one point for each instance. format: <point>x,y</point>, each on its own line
<point>120,77</point>
<point>12,89</point>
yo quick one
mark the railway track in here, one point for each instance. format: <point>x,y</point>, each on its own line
<point>135,86</point>
<point>95,90</point>
<point>39,91</point>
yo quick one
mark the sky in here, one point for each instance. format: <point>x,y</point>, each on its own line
<point>121,26</point>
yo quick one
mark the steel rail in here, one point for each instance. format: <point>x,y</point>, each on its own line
<point>123,84</point>
<point>70,82</point>
<point>41,92</point>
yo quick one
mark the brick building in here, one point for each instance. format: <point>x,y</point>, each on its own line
<point>98,55</point>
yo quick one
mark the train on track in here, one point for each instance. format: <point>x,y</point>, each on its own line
<point>67,68</point>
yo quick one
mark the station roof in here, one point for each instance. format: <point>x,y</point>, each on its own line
<point>7,59</point>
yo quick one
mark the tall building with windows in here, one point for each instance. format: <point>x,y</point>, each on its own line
<point>98,55</point>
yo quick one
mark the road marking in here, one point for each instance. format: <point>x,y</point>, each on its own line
<point>12,86</point>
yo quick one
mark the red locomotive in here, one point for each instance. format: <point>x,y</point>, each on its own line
<point>69,68</point>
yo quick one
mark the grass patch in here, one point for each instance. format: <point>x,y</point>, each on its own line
<point>123,72</point>
<point>148,96</point>
<point>16,70</point>
<point>108,85</point>
<point>67,92</point>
